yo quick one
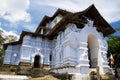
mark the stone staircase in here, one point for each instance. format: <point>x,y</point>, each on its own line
<point>93,69</point>
<point>94,75</point>
<point>23,70</point>
<point>36,72</point>
<point>39,72</point>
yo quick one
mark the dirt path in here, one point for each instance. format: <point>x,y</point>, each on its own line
<point>47,77</point>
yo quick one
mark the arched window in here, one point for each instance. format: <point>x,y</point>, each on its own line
<point>93,48</point>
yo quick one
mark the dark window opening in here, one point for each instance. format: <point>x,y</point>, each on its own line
<point>50,57</point>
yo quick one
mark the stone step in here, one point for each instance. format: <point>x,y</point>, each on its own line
<point>93,73</point>
<point>96,76</point>
<point>38,72</point>
<point>13,77</point>
<point>93,69</point>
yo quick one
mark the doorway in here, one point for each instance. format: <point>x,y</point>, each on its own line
<point>93,48</point>
<point>37,61</point>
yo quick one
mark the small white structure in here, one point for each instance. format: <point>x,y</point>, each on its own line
<point>67,42</point>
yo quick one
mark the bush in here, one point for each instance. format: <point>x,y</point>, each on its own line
<point>93,73</point>
<point>63,76</point>
<point>12,69</point>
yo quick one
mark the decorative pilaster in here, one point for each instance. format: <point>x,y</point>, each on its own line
<point>104,68</point>
<point>83,61</point>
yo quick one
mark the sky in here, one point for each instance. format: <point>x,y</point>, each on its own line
<point>19,15</point>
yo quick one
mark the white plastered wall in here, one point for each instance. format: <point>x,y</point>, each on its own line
<point>100,51</point>
<point>75,50</point>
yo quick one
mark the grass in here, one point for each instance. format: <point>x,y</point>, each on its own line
<point>10,71</point>
<point>47,77</point>
<point>6,71</point>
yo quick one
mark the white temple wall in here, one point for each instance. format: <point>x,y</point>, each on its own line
<point>75,49</point>
<point>15,56</point>
<point>69,49</point>
<point>7,56</point>
<point>85,32</point>
<point>70,44</point>
<point>66,47</point>
<point>36,46</point>
<point>25,53</point>
<point>12,55</point>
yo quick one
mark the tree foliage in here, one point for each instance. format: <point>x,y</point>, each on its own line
<point>114,47</point>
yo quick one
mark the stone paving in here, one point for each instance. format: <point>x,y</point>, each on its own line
<point>13,77</point>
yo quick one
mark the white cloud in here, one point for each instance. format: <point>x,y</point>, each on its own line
<point>109,9</point>
<point>30,27</point>
<point>14,10</point>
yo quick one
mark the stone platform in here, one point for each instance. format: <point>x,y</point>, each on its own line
<point>13,77</point>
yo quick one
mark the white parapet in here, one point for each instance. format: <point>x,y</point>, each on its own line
<point>13,77</point>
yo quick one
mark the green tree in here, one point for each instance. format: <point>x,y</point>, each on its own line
<point>1,47</point>
<point>114,46</point>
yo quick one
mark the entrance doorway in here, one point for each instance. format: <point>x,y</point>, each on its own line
<point>37,61</point>
<point>93,48</point>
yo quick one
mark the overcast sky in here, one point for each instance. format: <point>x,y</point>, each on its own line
<point>18,15</point>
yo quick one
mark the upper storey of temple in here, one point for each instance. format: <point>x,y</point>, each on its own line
<point>49,23</point>
<point>50,26</point>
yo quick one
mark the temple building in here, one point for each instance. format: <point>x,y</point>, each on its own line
<point>67,42</point>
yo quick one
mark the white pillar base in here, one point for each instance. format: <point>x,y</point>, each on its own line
<point>78,76</point>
